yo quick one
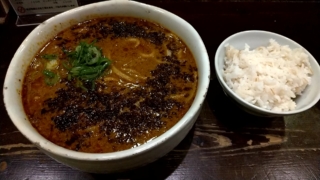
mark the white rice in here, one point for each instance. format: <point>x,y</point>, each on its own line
<point>269,77</point>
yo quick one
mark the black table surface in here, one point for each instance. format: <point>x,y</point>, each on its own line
<point>225,142</point>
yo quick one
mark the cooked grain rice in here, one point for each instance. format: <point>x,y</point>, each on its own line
<point>269,77</point>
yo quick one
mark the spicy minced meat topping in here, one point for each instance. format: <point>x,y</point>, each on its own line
<point>124,114</point>
<point>116,29</point>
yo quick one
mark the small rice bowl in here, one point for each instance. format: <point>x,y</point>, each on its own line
<point>270,77</point>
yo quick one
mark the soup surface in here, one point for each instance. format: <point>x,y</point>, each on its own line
<point>139,80</point>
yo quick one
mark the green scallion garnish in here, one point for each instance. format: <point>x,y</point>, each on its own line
<point>49,56</point>
<point>50,77</point>
<point>86,63</point>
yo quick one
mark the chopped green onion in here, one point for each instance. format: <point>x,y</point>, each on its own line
<point>80,84</point>
<point>50,77</point>
<point>49,56</point>
<point>86,63</point>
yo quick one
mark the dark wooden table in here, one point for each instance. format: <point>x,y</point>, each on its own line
<point>225,142</point>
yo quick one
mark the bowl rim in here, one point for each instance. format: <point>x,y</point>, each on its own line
<point>260,109</point>
<point>43,143</point>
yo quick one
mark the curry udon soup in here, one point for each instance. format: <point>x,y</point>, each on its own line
<point>109,84</point>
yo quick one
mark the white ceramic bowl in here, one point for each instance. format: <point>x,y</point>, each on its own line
<point>254,39</point>
<point>117,161</point>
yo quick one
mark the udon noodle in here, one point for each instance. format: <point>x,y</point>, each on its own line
<point>148,87</point>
